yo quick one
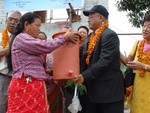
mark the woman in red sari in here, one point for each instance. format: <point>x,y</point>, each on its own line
<point>27,90</point>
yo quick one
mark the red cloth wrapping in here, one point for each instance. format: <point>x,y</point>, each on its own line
<point>55,98</point>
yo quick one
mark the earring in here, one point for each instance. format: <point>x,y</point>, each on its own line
<point>27,29</point>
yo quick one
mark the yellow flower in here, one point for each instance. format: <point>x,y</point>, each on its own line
<point>5,38</point>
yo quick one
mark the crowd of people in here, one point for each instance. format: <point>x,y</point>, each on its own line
<point>26,66</point>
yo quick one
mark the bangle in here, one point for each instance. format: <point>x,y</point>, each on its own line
<point>145,68</point>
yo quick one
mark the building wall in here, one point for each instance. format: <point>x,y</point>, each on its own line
<point>2,15</point>
<point>49,28</point>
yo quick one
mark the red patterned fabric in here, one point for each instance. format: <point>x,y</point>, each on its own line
<point>26,97</point>
<point>55,98</point>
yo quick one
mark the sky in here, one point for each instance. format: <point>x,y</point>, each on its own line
<point>118,21</point>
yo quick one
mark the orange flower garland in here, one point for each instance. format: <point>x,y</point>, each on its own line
<point>5,38</point>
<point>143,57</point>
<point>128,90</point>
<point>93,40</point>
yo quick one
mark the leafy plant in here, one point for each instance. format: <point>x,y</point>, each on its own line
<point>136,10</point>
<point>81,88</point>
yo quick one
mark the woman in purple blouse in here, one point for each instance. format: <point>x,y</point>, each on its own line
<point>27,91</point>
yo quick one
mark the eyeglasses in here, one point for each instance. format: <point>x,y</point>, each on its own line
<point>10,19</point>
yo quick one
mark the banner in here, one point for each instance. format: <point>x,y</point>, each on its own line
<point>36,5</point>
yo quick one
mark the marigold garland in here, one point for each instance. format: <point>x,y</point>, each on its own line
<point>128,96</point>
<point>143,57</point>
<point>93,40</point>
<point>128,90</point>
<point>5,38</point>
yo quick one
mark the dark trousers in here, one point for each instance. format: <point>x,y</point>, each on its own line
<point>68,94</point>
<point>4,83</point>
<point>114,107</point>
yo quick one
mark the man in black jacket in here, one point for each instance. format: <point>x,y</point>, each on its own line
<point>100,66</point>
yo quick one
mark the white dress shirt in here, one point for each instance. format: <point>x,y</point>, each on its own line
<point>3,61</point>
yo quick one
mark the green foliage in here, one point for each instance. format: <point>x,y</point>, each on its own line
<point>136,10</point>
<point>123,68</point>
<point>70,83</point>
<point>81,88</point>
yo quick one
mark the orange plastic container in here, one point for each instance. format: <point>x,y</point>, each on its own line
<point>66,60</point>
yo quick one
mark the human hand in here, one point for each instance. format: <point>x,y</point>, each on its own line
<point>72,36</point>
<point>82,38</point>
<point>135,65</point>
<point>56,82</point>
<point>3,51</point>
<point>78,79</point>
